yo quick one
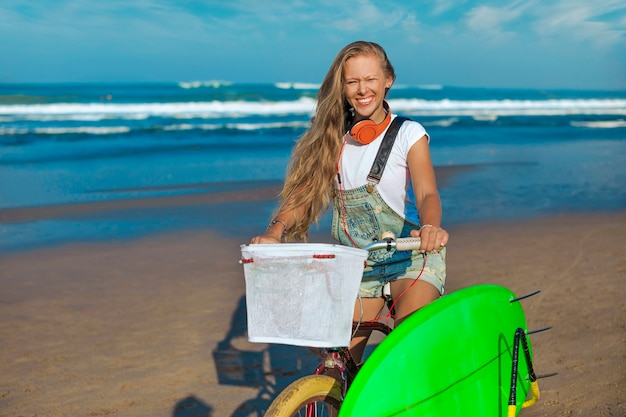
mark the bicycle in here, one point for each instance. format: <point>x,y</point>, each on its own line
<point>323,392</point>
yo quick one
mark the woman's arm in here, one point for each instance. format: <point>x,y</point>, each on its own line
<point>278,227</point>
<point>427,198</point>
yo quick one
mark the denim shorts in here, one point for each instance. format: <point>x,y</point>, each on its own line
<point>432,271</point>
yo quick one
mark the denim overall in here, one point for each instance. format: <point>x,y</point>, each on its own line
<point>366,216</point>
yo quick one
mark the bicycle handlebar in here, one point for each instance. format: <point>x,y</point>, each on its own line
<point>402,243</point>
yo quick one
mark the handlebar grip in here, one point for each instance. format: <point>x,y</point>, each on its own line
<point>408,243</point>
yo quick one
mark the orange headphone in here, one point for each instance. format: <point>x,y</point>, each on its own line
<point>366,130</point>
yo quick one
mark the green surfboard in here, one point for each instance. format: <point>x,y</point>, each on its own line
<point>451,358</point>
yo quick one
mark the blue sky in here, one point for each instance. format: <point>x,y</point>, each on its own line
<point>519,43</point>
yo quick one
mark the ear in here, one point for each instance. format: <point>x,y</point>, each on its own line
<point>389,83</point>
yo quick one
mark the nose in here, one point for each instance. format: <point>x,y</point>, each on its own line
<point>362,89</point>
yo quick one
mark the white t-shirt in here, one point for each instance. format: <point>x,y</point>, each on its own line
<point>357,159</point>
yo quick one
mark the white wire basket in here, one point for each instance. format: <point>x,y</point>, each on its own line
<point>301,293</point>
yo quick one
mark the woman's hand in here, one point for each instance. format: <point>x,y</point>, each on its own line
<point>265,238</point>
<point>434,238</point>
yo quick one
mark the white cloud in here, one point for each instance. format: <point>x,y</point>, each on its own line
<point>494,22</point>
<point>411,27</point>
<point>600,22</point>
<point>443,6</point>
<point>582,21</point>
<point>112,19</point>
<point>363,15</point>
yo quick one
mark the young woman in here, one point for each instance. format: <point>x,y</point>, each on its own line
<point>331,163</point>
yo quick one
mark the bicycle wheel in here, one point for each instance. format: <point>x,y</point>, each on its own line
<point>313,395</point>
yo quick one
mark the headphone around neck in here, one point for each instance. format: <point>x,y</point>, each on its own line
<point>366,130</point>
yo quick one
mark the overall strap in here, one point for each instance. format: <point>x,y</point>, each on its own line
<point>380,162</point>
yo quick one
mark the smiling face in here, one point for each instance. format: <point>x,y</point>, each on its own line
<point>365,85</point>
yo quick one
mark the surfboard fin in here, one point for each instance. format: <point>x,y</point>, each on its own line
<point>547,375</point>
<point>539,330</point>
<point>525,296</point>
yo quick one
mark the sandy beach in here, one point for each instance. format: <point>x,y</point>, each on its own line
<point>156,326</point>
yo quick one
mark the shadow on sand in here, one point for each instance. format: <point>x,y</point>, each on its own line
<point>267,367</point>
<point>192,407</point>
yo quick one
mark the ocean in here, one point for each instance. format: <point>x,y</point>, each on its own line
<point>84,158</point>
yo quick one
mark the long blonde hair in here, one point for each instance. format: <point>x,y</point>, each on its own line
<point>309,185</point>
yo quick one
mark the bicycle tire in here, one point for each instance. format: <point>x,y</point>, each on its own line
<point>321,391</point>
